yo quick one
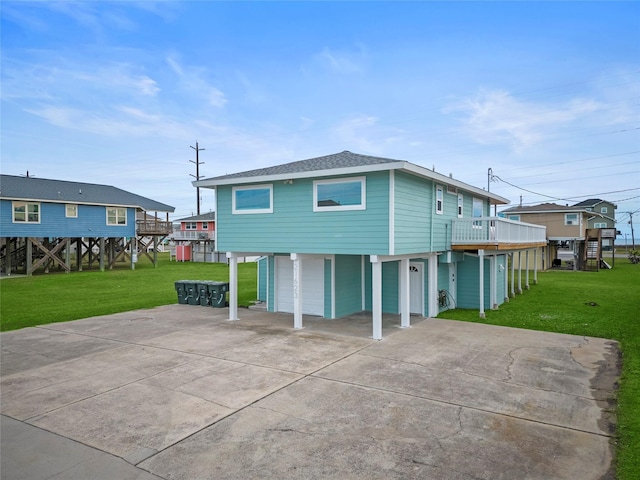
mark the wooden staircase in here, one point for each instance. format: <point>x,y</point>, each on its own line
<point>593,250</point>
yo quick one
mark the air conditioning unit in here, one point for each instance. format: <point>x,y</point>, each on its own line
<point>202,236</point>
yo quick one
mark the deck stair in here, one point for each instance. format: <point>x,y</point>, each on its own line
<point>593,250</point>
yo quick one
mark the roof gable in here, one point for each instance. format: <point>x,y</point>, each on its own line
<point>61,191</point>
<point>334,161</point>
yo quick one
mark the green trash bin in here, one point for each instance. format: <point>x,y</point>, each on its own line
<point>181,289</point>
<point>218,294</point>
<point>191,288</point>
<point>203,293</point>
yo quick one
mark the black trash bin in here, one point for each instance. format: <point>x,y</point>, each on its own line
<point>218,294</point>
<point>181,288</point>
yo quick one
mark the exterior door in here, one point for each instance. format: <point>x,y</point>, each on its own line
<point>416,288</point>
<point>453,288</point>
<point>312,285</point>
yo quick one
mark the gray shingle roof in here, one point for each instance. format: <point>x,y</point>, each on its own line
<point>543,207</point>
<point>203,217</point>
<point>344,159</point>
<point>61,191</point>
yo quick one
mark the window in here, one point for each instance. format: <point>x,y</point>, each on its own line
<point>571,219</point>
<point>71,211</point>
<point>342,194</point>
<point>205,225</point>
<point>603,210</point>
<point>439,200</point>
<point>600,225</point>
<point>253,199</point>
<point>478,205</point>
<point>25,212</point>
<point>116,216</point>
<point>190,225</point>
<point>460,204</point>
<point>514,217</point>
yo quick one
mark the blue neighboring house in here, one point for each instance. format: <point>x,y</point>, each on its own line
<point>40,219</point>
<point>346,233</point>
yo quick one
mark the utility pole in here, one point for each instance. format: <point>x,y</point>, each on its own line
<point>197,175</point>
<point>633,239</point>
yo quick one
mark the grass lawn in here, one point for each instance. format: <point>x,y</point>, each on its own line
<point>59,297</point>
<point>561,302</point>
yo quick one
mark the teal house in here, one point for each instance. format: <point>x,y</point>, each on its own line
<point>347,233</point>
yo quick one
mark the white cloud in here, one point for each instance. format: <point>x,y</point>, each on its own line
<point>194,81</point>
<point>344,62</point>
<point>364,133</point>
<point>496,116</point>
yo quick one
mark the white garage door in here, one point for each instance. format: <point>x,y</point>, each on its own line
<point>312,285</point>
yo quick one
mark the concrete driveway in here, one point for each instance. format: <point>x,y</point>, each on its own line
<point>179,392</point>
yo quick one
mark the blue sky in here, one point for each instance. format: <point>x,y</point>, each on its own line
<point>546,94</point>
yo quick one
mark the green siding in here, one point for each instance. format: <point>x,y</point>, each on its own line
<point>270,294</point>
<point>262,279</point>
<point>468,288</point>
<point>390,287</point>
<point>348,284</point>
<point>413,207</point>
<point>327,288</point>
<point>295,227</point>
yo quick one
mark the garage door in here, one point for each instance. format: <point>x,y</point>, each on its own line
<point>312,285</point>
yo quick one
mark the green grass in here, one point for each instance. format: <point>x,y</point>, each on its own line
<point>59,297</point>
<point>559,303</point>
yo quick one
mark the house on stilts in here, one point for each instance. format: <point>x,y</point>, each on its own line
<point>346,233</point>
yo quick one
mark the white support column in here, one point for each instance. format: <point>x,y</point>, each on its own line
<point>513,274</point>
<point>481,281</point>
<point>405,294</point>
<point>535,266</point>
<point>493,288</point>
<point>297,290</point>
<point>376,297</point>
<point>526,280</point>
<point>432,287</point>
<point>519,271</point>
<point>233,285</point>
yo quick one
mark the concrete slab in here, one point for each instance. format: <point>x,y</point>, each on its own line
<point>324,429</point>
<point>38,391</point>
<point>181,392</point>
<point>29,453</point>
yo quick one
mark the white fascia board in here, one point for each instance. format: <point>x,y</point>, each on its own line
<point>71,202</point>
<point>440,178</point>
<point>406,166</point>
<point>212,183</point>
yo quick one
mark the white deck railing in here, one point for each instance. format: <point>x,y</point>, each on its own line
<point>192,235</point>
<point>495,230</point>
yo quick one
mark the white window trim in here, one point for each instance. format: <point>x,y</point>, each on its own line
<point>26,212</point>
<point>460,205</point>
<point>440,211</point>
<point>126,220</point>
<point>604,209</point>
<point>337,208</point>
<point>66,210</point>
<point>255,210</point>
<point>577,222</point>
<point>515,218</point>
<point>600,225</point>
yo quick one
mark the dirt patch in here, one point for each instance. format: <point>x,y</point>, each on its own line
<point>605,386</point>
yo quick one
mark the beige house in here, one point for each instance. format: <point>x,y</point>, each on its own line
<point>568,233</point>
